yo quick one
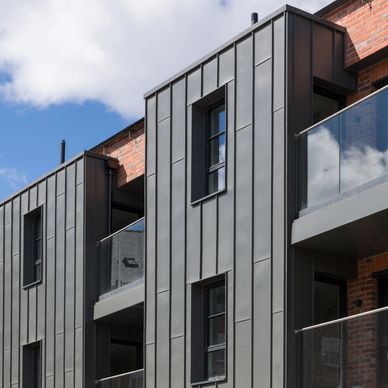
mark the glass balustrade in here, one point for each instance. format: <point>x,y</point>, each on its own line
<point>121,257</point>
<point>126,380</point>
<point>350,352</point>
<point>344,152</point>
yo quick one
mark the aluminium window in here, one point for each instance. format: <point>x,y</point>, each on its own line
<point>215,342</point>
<point>208,152</point>
<point>32,365</point>
<point>216,132</point>
<point>33,247</point>
<point>208,331</point>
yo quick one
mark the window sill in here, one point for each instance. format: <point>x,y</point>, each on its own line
<point>209,196</point>
<point>219,379</point>
<point>30,285</point>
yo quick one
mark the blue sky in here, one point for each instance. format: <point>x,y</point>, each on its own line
<point>30,138</point>
<point>77,70</point>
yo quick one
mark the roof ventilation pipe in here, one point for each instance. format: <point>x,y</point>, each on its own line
<point>63,151</point>
<point>254,18</point>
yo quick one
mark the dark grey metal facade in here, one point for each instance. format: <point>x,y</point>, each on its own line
<point>59,310</point>
<point>268,72</point>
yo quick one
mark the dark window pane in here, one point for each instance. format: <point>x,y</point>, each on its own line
<point>216,330</point>
<point>216,363</point>
<point>217,120</point>
<point>216,300</point>
<point>217,150</point>
<point>217,180</point>
<point>323,107</point>
<point>327,302</point>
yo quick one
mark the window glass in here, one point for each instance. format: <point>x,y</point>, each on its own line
<point>217,180</point>
<point>216,338</point>
<point>33,247</point>
<point>216,363</point>
<point>324,106</point>
<point>216,300</point>
<point>216,330</point>
<point>216,150</point>
<point>32,365</point>
<point>327,302</point>
<point>217,120</point>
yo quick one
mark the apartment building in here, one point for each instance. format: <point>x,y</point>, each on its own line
<point>239,243</point>
<point>266,204</point>
<point>65,245</point>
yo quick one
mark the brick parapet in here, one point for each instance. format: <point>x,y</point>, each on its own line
<point>128,147</point>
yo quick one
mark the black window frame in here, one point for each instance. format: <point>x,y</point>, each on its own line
<point>212,168</point>
<point>207,318</point>
<point>200,145</point>
<point>33,247</point>
<point>200,327</point>
<point>32,365</point>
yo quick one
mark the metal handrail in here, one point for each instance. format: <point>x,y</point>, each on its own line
<point>342,111</point>
<point>122,229</point>
<point>120,375</point>
<point>344,319</point>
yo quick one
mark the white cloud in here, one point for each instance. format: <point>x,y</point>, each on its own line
<point>13,178</point>
<point>112,51</point>
<point>331,171</point>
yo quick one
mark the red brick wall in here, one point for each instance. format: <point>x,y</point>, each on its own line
<point>366,78</point>
<point>367,33</point>
<point>129,149</point>
<point>366,27</point>
<point>361,333</point>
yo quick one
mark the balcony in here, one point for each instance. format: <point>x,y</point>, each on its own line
<point>345,153</point>
<point>348,352</point>
<point>121,258</point>
<point>343,181</point>
<point>126,380</point>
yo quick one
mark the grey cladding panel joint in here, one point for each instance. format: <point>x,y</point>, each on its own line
<point>162,339</point>
<point>163,205</point>
<point>178,120</point>
<point>262,324</point>
<point>263,160</point>
<point>151,135</point>
<point>243,225</point>
<point>210,76</point>
<point>279,63</point>
<point>194,86</point>
<point>263,44</point>
<point>244,74</point>
<point>226,66</point>
<point>163,104</point>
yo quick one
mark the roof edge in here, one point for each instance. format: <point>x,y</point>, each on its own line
<point>34,182</point>
<point>330,7</point>
<point>285,8</point>
<point>118,134</point>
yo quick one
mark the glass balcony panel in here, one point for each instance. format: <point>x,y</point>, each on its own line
<point>121,257</point>
<point>344,152</point>
<point>351,353</point>
<point>364,132</point>
<point>127,380</point>
<point>319,161</point>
